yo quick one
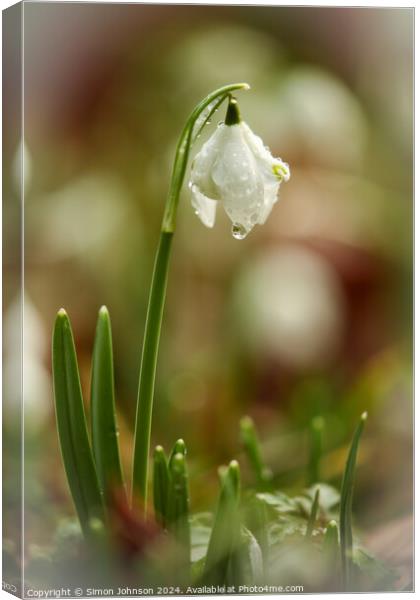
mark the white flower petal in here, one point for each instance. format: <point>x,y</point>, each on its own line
<point>202,165</point>
<point>236,175</point>
<point>270,198</point>
<point>205,208</point>
<point>272,167</point>
<point>235,167</point>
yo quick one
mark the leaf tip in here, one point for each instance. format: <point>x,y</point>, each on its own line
<point>178,462</point>
<point>317,423</point>
<point>103,311</point>
<point>364,416</point>
<point>234,466</point>
<point>246,423</point>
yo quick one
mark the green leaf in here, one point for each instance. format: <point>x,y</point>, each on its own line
<point>315,449</point>
<point>178,519</point>
<point>347,488</point>
<point>72,429</point>
<point>260,529</point>
<point>104,426</point>
<point>246,564</point>
<point>225,529</point>
<point>179,504</point>
<point>251,556</point>
<point>331,546</point>
<point>313,515</point>
<point>160,485</point>
<point>200,524</point>
<point>252,447</point>
<point>178,448</point>
<point>329,499</point>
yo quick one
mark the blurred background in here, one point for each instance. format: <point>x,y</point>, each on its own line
<point>310,315</point>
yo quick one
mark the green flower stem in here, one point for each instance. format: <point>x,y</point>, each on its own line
<point>148,368</point>
<point>346,503</point>
<point>158,292</point>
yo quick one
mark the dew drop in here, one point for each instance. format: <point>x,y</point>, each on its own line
<point>238,231</point>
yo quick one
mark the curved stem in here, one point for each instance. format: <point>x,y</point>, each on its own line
<point>158,292</point>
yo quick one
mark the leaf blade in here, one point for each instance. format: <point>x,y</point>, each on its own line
<point>346,503</point>
<point>160,486</point>
<point>72,429</point>
<point>104,424</point>
<point>223,537</point>
<point>252,448</point>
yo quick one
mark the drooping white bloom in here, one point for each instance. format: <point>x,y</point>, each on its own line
<point>235,168</point>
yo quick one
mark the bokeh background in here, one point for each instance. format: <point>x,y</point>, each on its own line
<point>310,315</point>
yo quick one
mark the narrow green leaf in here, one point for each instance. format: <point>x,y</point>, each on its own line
<point>224,533</point>
<point>179,511</point>
<point>331,544</point>
<point>104,425</point>
<point>346,503</point>
<point>178,448</point>
<point>313,515</point>
<point>72,429</point>
<point>160,485</point>
<point>315,450</point>
<point>261,529</point>
<point>252,447</point>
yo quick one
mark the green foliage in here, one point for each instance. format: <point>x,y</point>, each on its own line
<point>252,447</point>
<point>226,528</point>
<point>346,504</point>
<point>313,515</point>
<point>331,546</point>
<point>104,425</point>
<point>178,508</point>
<point>72,429</point>
<point>160,486</point>
<point>250,536</point>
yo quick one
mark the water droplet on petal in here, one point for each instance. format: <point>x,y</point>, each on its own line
<point>238,231</point>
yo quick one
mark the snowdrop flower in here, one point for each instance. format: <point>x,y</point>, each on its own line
<point>235,168</point>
